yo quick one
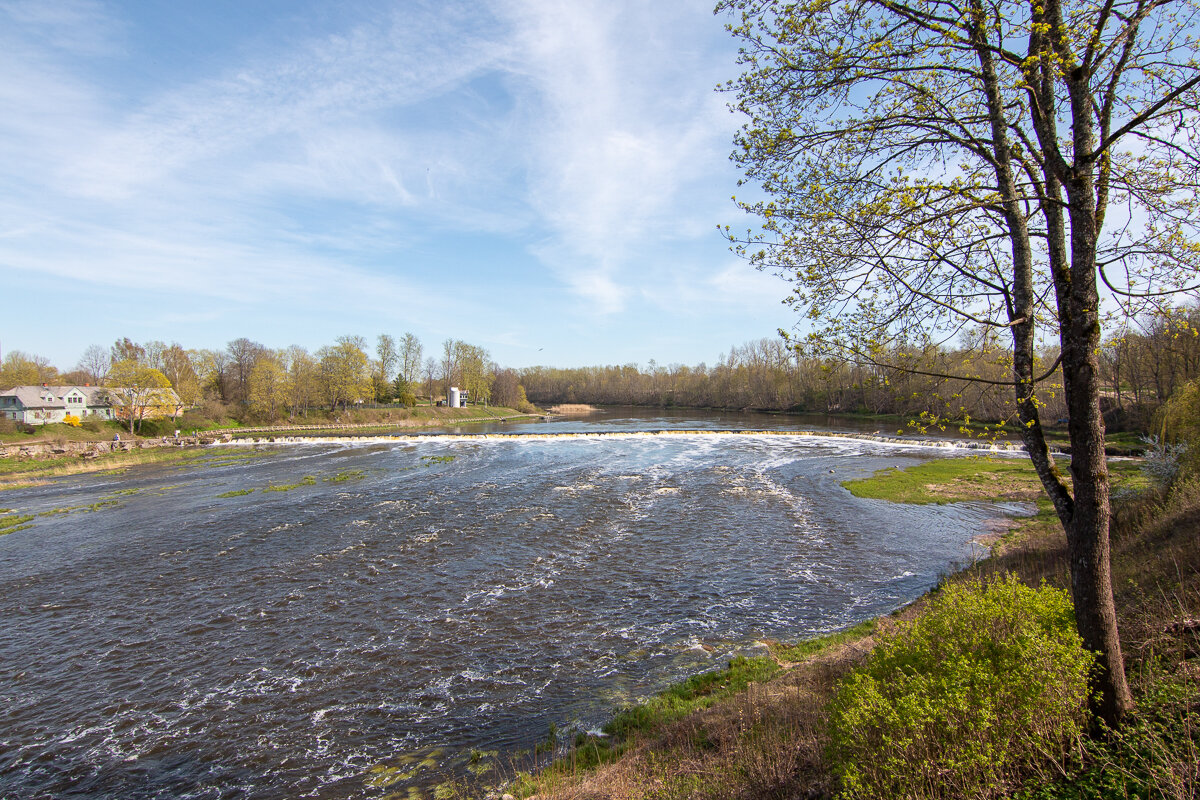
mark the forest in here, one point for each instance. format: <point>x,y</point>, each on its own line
<point>1143,366</point>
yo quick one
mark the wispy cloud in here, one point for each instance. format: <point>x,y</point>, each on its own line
<point>614,152</point>
<point>318,166</point>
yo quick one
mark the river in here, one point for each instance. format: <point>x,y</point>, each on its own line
<point>337,619</point>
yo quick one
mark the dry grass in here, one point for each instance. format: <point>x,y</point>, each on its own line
<point>766,742</point>
<point>17,474</point>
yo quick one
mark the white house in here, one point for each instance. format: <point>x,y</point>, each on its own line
<point>38,405</point>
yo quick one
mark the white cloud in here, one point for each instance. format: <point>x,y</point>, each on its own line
<point>80,27</point>
<point>627,124</point>
<point>291,103</point>
<point>307,169</point>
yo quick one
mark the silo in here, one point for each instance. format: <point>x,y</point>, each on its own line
<point>453,397</point>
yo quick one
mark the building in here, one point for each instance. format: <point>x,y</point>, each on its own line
<point>39,405</point>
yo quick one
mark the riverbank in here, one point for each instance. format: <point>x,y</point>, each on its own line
<point>57,450</point>
<point>759,727</point>
<point>984,434</point>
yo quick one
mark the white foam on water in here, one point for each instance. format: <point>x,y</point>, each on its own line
<point>845,440</point>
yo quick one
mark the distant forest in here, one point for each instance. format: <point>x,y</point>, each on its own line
<point>1142,366</point>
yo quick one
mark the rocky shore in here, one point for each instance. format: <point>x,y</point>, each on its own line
<point>86,450</point>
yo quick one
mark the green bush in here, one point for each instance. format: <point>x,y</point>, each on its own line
<point>1179,421</point>
<point>987,687</point>
<point>1154,754</point>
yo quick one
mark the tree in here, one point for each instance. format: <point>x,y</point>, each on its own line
<point>386,359</point>
<point>304,382</point>
<point>95,361</point>
<point>126,350</point>
<point>475,372</point>
<point>177,367</point>
<point>431,371</point>
<point>268,387</point>
<point>344,371</point>
<point>410,359</point>
<point>154,353</point>
<point>243,355</point>
<point>212,367</point>
<point>929,166</point>
<point>137,391</point>
<point>404,392</point>
<point>505,388</point>
<point>22,369</point>
<point>451,358</point>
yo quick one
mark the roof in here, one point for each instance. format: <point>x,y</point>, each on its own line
<point>52,396</point>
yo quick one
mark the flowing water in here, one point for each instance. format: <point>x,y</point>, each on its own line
<point>395,605</point>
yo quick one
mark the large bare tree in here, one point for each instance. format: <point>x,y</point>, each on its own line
<point>924,167</point>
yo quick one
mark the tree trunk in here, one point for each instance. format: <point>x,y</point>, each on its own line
<point>1079,327</point>
<point>1088,526</point>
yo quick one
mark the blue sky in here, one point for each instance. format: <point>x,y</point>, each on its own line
<point>540,178</point>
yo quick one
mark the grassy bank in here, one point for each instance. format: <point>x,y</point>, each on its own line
<point>399,419</point>
<point>760,729</point>
<point>21,471</point>
<point>16,473</point>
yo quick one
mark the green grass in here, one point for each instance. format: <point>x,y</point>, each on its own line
<point>61,432</point>
<point>953,480</point>
<point>695,693</point>
<point>948,480</point>
<point>429,461</point>
<point>11,523</point>
<point>672,704</point>
<point>308,480</point>
<point>236,493</point>
<point>808,648</point>
<point>17,466</point>
<point>346,475</point>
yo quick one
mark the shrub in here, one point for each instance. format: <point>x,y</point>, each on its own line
<point>1162,460</point>
<point>986,687</point>
<point>1179,420</point>
<point>71,419</point>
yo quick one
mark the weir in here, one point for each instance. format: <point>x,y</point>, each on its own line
<point>940,444</point>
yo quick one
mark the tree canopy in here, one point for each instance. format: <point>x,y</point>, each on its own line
<point>931,166</point>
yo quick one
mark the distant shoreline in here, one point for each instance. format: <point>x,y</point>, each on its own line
<point>32,463</point>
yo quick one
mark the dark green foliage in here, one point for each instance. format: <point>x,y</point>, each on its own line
<point>988,686</point>
<point>1155,754</point>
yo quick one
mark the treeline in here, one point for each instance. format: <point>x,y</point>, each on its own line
<point>253,382</point>
<point>1143,366</point>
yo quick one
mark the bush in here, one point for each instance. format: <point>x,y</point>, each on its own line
<point>985,688</point>
<point>1162,461</point>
